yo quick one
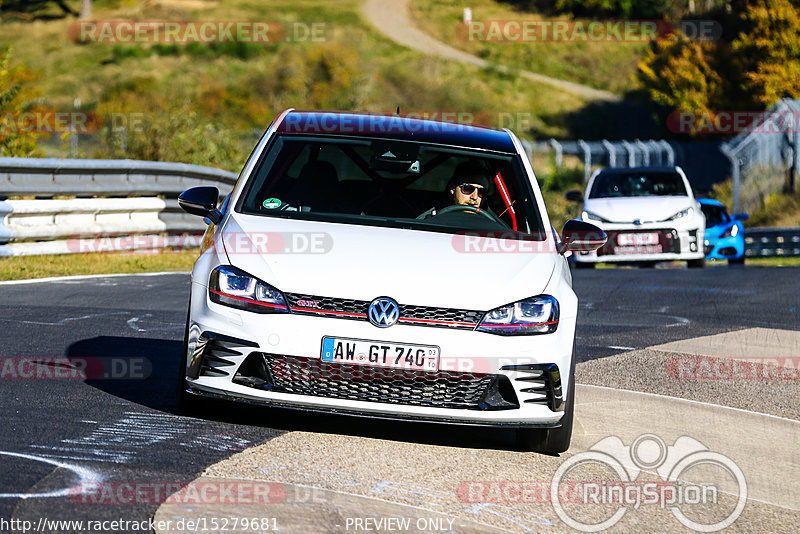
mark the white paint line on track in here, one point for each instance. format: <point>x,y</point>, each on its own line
<point>85,476</point>
<point>64,321</point>
<point>82,277</point>
<point>689,401</point>
<point>719,428</point>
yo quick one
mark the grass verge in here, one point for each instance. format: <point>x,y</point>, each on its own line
<point>26,267</point>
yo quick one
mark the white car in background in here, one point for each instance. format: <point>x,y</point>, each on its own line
<point>650,214</point>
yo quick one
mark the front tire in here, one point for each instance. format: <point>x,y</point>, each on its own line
<point>696,264</point>
<point>552,440</point>
<point>187,403</point>
<point>737,261</point>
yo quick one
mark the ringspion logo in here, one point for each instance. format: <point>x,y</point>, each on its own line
<point>621,492</point>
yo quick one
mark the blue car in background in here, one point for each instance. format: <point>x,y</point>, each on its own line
<point>724,237</point>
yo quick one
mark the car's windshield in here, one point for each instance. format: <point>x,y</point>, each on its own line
<point>382,182</point>
<point>638,184</point>
<point>714,214</point>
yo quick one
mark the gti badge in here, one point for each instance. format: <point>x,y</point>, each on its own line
<point>383,312</point>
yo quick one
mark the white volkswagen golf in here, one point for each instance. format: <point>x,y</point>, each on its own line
<point>387,267</point>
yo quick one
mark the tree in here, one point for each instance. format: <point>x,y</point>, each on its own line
<point>680,74</point>
<point>771,50</point>
<point>13,142</point>
<point>755,63</point>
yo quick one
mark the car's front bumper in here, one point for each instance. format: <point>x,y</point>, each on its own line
<point>725,248</point>
<point>675,242</point>
<point>297,337</point>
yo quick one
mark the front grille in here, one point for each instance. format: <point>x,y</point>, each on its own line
<point>357,309</point>
<point>441,389</point>
<point>667,239</point>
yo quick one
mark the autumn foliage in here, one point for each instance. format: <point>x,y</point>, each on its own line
<point>749,70</point>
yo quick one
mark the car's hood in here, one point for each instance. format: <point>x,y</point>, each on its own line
<point>363,262</point>
<point>646,209</point>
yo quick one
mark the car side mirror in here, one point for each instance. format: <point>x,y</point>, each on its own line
<point>201,201</point>
<point>741,217</point>
<point>574,196</point>
<point>581,236</point>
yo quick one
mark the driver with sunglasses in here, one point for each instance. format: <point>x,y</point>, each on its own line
<point>468,187</point>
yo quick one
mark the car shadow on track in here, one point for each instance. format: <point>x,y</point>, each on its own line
<point>144,371</point>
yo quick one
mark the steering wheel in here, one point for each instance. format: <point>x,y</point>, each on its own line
<point>471,209</point>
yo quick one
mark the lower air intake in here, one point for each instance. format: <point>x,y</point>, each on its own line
<point>441,389</point>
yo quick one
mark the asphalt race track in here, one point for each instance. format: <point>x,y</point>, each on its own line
<point>119,425</point>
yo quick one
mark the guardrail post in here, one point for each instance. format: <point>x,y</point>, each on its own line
<point>612,153</point>
<point>587,159</point>
<point>670,153</point>
<point>559,152</point>
<point>645,152</point>
<point>631,153</point>
<point>653,145</point>
<point>5,233</point>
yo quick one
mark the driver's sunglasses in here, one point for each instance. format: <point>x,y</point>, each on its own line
<point>467,189</point>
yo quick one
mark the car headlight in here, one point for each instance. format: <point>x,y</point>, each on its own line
<point>233,287</point>
<point>688,212</point>
<point>733,231</point>
<point>535,315</point>
<point>588,215</point>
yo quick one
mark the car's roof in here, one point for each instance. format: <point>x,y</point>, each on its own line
<point>395,127</point>
<point>626,170</point>
<point>711,202</point>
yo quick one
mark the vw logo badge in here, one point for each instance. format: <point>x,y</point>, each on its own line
<point>383,312</point>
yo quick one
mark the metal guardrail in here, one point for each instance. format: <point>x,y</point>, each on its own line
<point>771,242</point>
<point>48,177</point>
<point>59,226</point>
<point>148,221</point>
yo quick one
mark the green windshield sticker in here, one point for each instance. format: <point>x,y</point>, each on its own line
<point>272,203</point>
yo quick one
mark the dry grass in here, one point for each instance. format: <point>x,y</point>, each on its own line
<point>25,267</point>
<point>602,64</point>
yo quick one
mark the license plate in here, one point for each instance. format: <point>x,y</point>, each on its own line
<point>637,239</point>
<point>641,249</point>
<point>380,354</point>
